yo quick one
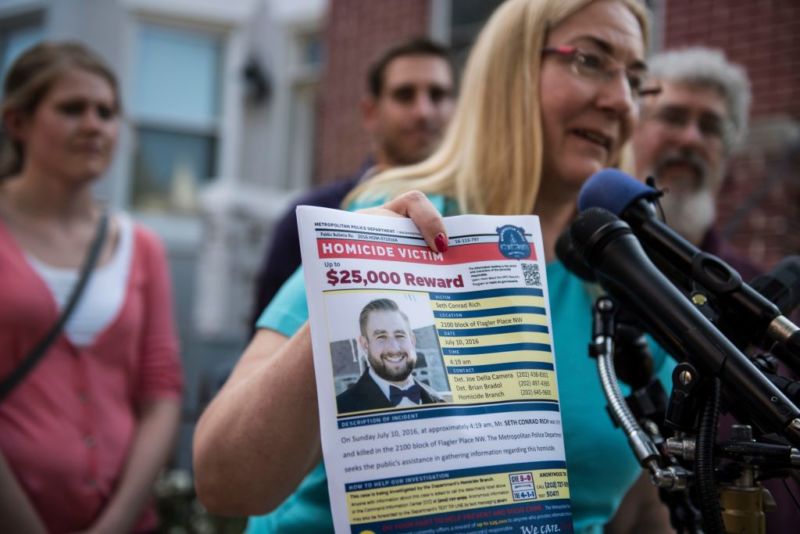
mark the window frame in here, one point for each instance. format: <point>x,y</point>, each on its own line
<point>303,83</point>
<point>212,129</point>
<point>14,21</point>
<point>226,128</point>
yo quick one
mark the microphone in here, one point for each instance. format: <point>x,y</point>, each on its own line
<point>781,285</point>
<point>747,311</point>
<point>571,257</point>
<point>632,358</point>
<point>608,246</point>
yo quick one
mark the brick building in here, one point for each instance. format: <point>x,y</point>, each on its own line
<point>760,204</point>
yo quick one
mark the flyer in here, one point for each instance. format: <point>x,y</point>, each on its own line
<point>436,377</point>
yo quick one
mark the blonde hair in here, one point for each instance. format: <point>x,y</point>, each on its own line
<point>490,160</point>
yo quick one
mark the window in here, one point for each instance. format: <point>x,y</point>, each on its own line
<point>467,17</point>
<point>176,113</point>
<point>15,37</point>
<point>306,65</point>
<point>309,47</point>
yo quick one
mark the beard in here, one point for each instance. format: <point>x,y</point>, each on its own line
<point>402,149</point>
<point>392,372</point>
<point>690,213</point>
<point>689,203</point>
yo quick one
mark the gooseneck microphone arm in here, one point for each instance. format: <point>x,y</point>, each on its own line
<point>671,478</point>
<point>620,264</point>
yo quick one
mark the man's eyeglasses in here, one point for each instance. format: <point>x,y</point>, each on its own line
<point>600,67</point>
<point>710,125</point>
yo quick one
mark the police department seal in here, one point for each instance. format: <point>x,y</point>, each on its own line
<point>513,243</point>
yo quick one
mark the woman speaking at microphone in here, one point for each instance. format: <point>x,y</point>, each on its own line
<point>549,96</point>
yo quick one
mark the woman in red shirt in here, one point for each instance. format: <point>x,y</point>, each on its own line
<point>84,435</point>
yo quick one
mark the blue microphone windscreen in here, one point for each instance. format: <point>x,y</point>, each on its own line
<point>613,190</point>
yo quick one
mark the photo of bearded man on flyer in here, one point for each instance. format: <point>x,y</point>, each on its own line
<point>390,345</point>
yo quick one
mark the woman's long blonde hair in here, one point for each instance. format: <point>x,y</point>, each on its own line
<point>490,160</point>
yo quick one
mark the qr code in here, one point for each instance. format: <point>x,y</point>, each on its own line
<point>531,273</point>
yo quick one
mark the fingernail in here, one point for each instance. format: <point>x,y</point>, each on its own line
<point>441,242</point>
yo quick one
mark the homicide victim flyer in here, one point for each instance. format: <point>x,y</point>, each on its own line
<point>436,376</point>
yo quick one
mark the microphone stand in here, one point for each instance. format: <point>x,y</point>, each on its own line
<point>692,331</point>
<point>673,480</point>
<point>692,495</point>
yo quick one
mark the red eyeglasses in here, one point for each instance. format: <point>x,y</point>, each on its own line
<point>602,68</point>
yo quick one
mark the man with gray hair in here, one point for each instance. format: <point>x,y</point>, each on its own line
<point>685,136</point>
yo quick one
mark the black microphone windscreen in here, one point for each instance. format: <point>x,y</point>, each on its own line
<point>571,257</point>
<point>592,229</point>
